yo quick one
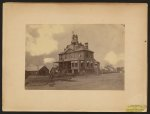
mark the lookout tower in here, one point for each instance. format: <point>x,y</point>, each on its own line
<point>74,39</point>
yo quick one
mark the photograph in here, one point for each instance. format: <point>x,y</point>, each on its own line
<point>75,57</point>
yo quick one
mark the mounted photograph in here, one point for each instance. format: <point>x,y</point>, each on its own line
<point>74,57</point>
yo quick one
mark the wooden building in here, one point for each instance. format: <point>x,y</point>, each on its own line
<point>120,69</point>
<point>31,70</point>
<point>77,58</point>
<point>36,70</point>
<point>44,71</point>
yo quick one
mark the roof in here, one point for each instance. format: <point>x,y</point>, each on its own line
<point>43,67</point>
<point>34,67</point>
<point>76,51</point>
<point>96,61</point>
<point>68,60</point>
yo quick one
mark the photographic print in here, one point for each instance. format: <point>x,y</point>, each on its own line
<point>75,57</point>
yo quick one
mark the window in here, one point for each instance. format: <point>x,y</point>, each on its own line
<point>65,56</point>
<point>72,64</point>
<point>86,54</point>
<point>92,55</point>
<point>76,64</point>
<point>81,64</point>
<point>87,64</point>
<point>60,57</point>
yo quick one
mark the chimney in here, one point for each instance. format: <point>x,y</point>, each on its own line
<point>86,45</point>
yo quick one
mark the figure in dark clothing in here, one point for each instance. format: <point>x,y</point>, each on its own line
<point>51,75</point>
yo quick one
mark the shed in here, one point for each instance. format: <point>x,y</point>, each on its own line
<point>43,71</point>
<point>31,70</point>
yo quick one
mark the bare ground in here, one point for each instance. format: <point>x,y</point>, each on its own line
<point>112,81</point>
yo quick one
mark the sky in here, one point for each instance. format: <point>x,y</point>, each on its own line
<point>44,42</point>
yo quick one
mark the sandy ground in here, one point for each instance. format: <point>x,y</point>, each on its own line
<point>113,81</point>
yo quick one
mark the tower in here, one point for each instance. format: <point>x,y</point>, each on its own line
<point>86,45</point>
<point>74,39</point>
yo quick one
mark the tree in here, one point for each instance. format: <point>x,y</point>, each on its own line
<point>110,68</point>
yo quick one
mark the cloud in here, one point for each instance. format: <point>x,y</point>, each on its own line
<point>48,60</point>
<point>113,58</point>
<point>42,42</point>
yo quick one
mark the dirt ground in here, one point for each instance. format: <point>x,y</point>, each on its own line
<point>112,81</point>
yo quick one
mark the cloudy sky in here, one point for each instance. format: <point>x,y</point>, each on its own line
<point>44,42</point>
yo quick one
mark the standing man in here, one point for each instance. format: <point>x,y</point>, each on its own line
<point>52,74</point>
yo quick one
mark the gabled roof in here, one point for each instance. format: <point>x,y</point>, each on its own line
<point>43,67</point>
<point>34,67</point>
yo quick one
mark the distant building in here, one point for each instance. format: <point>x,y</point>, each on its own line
<point>120,69</point>
<point>31,70</point>
<point>77,58</point>
<point>43,71</point>
<point>36,70</point>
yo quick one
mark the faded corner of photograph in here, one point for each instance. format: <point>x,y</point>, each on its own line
<point>74,57</point>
